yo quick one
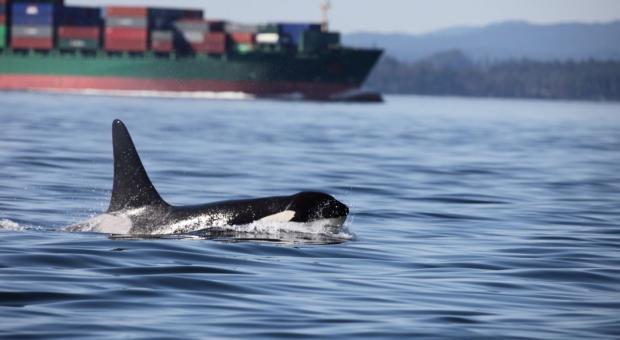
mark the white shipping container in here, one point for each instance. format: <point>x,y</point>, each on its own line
<point>22,31</point>
<point>194,37</point>
<point>125,22</point>
<point>267,38</point>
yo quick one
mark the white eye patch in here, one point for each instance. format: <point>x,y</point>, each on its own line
<point>281,217</point>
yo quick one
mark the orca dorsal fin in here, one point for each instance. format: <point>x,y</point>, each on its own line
<point>132,187</point>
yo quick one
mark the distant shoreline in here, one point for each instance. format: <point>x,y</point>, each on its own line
<point>452,74</point>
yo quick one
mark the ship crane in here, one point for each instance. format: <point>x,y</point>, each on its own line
<point>325,7</point>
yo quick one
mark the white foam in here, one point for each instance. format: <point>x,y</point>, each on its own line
<point>10,225</point>
<point>332,228</point>
<point>157,94</point>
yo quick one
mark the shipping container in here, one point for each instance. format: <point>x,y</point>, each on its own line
<point>295,30</point>
<point>77,44</point>
<point>125,45</point>
<point>75,32</point>
<point>128,39</point>
<point>138,22</point>
<point>31,8</point>
<point>191,42</point>
<point>162,46</point>
<point>238,27</point>
<point>3,23</point>
<point>199,47</point>
<point>162,35</point>
<point>3,36</point>
<point>313,42</point>
<point>28,43</point>
<point>164,18</point>
<point>216,43</point>
<point>125,33</point>
<point>118,11</point>
<point>78,16</point>
<point>32,14</point>
<point>243,48</point>
<point>268,38</point>
<point>217,25</point>
<point>194,37</point>
<point>31,31</point>
<point>242,37</point>
<point>162,41</point>
<point>192,25</point>
<point>23,20</point>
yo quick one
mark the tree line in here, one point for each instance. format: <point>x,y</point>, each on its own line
<point>452,73</point>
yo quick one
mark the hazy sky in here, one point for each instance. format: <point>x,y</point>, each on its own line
<point>410,16</point>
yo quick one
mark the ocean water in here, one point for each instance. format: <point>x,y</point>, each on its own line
<point>470,218</point>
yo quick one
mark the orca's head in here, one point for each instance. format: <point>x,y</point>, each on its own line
<point>311,206</point>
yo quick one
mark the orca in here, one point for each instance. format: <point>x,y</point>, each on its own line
<point>136,208</point>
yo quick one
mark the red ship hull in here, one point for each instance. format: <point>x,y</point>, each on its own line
<point>259,88</point>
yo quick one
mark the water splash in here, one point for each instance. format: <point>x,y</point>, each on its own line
<point>317,232</point>
<point>8,225</point>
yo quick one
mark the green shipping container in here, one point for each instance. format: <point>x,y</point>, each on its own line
<point>314,41</point>
<point>78,44</point>
<point>2,36</point>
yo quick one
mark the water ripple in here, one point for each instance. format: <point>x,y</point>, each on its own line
<point>477,219</point>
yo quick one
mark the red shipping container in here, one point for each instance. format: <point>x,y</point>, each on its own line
<point>125,45</point>
<point>32,43</point>
<point>78,32</point>
<point>2,19</point>
<point>162,46</point>
<point>199,48</point>
<point>216,43</point>
<point>242,37</point>
<point>121,33</point>
<point>119,11</point>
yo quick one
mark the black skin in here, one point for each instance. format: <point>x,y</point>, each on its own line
<point>308,206</point>
<point>133,189</point>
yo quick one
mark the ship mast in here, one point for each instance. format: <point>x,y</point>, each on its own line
<point>325,7</point>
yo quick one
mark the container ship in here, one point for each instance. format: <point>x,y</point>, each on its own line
<point>47,45</point>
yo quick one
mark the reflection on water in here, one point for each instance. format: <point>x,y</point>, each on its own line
<point>471,219</point>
